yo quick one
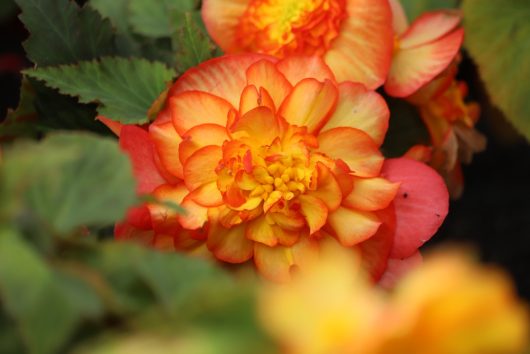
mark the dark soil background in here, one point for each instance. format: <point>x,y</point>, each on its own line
<point>493,216</point>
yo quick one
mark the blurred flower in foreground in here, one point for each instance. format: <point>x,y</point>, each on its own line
<point>354,37</point>
<point>448,306</point>
<point>450,121</point>
<point>422,50</point>
<point>271,157</point>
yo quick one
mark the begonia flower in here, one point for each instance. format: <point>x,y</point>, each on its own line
<point>450,120</point>
<point>354,37</point>
<point>422,50</point>
<point>449,305</point>
<point>269,157</point>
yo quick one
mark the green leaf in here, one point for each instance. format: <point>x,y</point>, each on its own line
<point>194,46</point>
<point>158,18</point>
<point>497,33</point>
<point>116,11</point>
<point>42,304</point>
<point>18,122</point>
<point>124,88</point>
<point>67,181</point>
<point>414,8</point>
<point>63,33</point>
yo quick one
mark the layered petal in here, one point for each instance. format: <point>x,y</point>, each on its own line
<point>200,167</point>
<point>310,104</point>
<point>428,28</point>
<point>167,141</point>
<point>224,77</point>
<point>352,226</point>
<point>354,147</point>
<point>362,52</point>
<point>361,109</point>
<point>414,67</point>
<point>296,68</point>
<point>264,74</point>
<point>230,245</point>
<point>371,194</point>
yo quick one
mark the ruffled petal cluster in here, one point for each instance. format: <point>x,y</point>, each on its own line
<point>449,305</point>
<point>269,158</point>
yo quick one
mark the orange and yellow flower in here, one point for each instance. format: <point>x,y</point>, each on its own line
<point>354,37</point>
<point>271,157</point>
<point>450,121</point>
<point>450,305</point>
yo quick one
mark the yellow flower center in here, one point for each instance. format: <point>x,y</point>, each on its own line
<point>282,27</point>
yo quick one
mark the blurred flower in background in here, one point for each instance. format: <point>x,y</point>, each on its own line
<point>450,305</point>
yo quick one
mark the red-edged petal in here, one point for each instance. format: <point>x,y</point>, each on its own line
<point>114,126</point>
<point>252,98</point>
<point>421,204</point>
<point>328,189</point>
<point>221,18</point>
<point>200,167</point>
<point>195,215</point>
<point>224,76</point>
<point>363,50</point>
<point>200,136</point>
<point>398,268</point>
<point>165,219</point>
<point>376,250</point>
<point>352,227</point>
<point>265,74</point>
<point>310,104</point>
<point>127,232</point>
<point>412,68</point>
<point>276,263</point>
<point>230,245</point>
<point>193,108</point>
<point>355,148</point>
<point>257,127</point>
<point>315,212</point>
<point>167,140</point>
<point>429,27</point>
<point>139,217</point>
<point>371,194</point>
<point>296,68</point>
<point>137,144</point>
<point>207,195</point>
<point>361,109</point>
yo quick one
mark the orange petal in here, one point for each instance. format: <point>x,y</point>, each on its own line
<point>200,167</point>
<point>412,68</point>
<point>429,27</point>
<point>167,143</point>
<point>310,104</point>
<point>276,263</point>
<point>199,137</point>
<point>363,50</point>
<point>261,231</point>
<point>141,150</point>
<point>165,219</point>
<point>361,109</point>
<point>399,18</point>
<point>257,127</point>
<point>252,98</point>
<point>221,18</point>
<point>265,74</point>
<point>195,216</point>
<point>355,148</point>
<point>371,194</point>
<point>296,68</point>
<point>114,126</point>
<point>224,76</point>
<point>208,195</point>
<point>352,227</point>
<point>315,212</point>
<point>230,245</point>
<point>192,108</point>
<point>328,189</point>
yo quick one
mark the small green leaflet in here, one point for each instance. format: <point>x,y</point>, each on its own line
<point>125,89</point>
<point>414,8</point>
<point>497,33</point>
<point>194,46</point>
